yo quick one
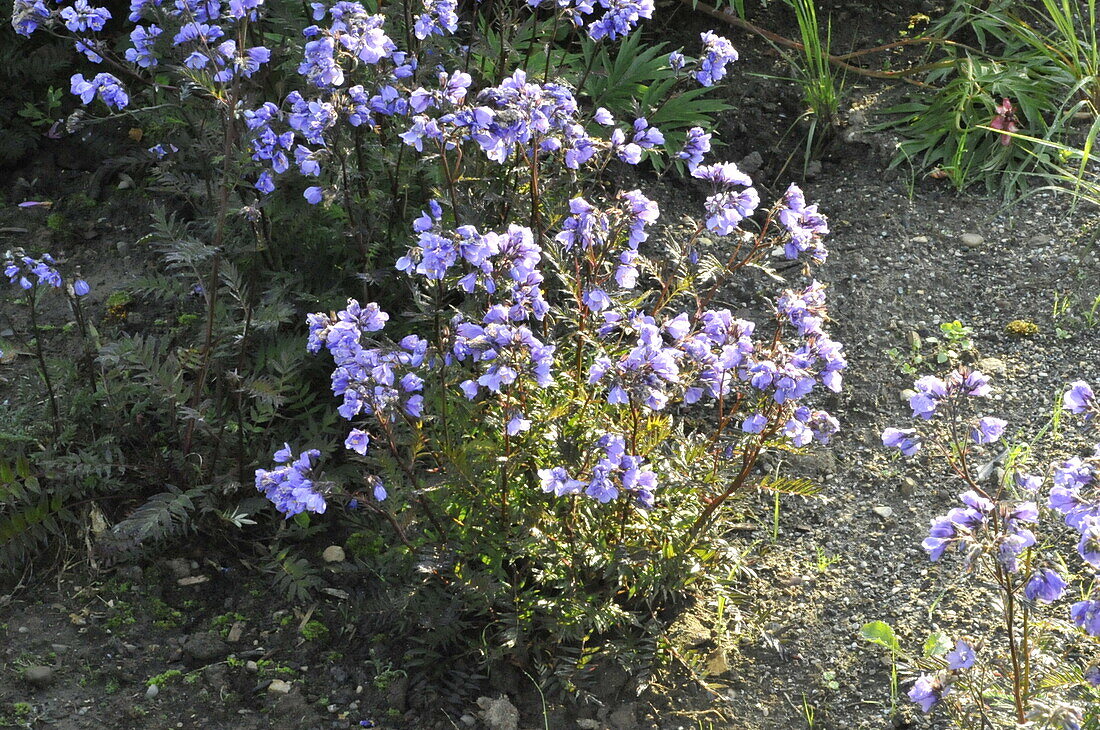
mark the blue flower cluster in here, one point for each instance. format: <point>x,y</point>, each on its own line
<point>381,382</point>
<point>28,272</point>
<point>104,86</point>
<point>719,53</point>
<point>932,394</point>
<point>616,472</point>
<point>291,487</point>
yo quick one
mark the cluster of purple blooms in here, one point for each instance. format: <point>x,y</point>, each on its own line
<point>104,86</point>
<point>805,225</point>
<point>589,229</point>
<point>709,356</point>
<point>27,272</point>
<point>718,53</point>
<point>1003,527</point>
<point>726,206</point>
<point>379,381</point>
<point>515,116</point>
<point>616,472</point>
<point>291,487</point>
<point>931,688</point>
<point>931,394</point>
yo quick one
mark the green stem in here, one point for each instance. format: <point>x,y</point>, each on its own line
<point>42,363</point>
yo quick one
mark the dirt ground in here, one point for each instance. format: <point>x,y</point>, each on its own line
<point>192,641</point>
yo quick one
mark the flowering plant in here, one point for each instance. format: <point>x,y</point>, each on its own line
<point>1025,669</point>
<point>547,392</point>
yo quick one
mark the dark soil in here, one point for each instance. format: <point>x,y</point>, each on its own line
<point>84,648</point>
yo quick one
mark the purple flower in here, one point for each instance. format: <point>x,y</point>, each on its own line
<point>754,423</point>
<point>718,53</point>
<point>81,16</point>
<point>439,18</point>
<point>621,17</point>
<point>143,40</point>
<point>290,487</point>
<point>696,145</point>
<point>1086,614</point>
<point>963,657</point>
<point>676,60</point>
<point>905,439</point>
<point>357,441</point>
<point>27,15</point>
<point>81,288</point>
<point>927,691</point>
<point>930,391</point>
<point>988,430</point>
<point>558,481</point>
<point>1046,586</point>
<point>105,86</point>
<point>805,225</point>
<point>1089,545</point>
<point>597,300</point>
<point>518,423</point>
<point>265,183</point>
<point>1078,398</point>
<point>313,194</point>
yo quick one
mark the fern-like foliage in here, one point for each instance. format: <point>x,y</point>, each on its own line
<point>294,577</point>
<point>789,485</point>
<point>30,514</point>
<point>163,516</point>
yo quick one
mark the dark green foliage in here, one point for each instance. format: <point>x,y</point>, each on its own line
<point>30,513</point>
<point>29,71</point>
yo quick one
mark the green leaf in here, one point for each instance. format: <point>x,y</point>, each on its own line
<point>790,485</point>
<point>881,633</point>
<point>936,644</point>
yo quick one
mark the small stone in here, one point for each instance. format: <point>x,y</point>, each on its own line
<point>38,676</point>
<point>152,692</point>
<point>205,647</point>
<point>192,580</point>
<point>235,632</point>
<point>907,394</point>
<point>813,169</point>
<point>883,512</point>
<point>279,687</point>
<point>751,163</point>
<point>499,713</point>
<point>919,239</point>
<point>991,366</point>
<point>972,239</point>
<point>333,554</point>
<point>179,567</point>
<point>468,720</point>
<point>717,662</point>
<point>251,666</point>
<point>588,724</point>
<point>624,718</point>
